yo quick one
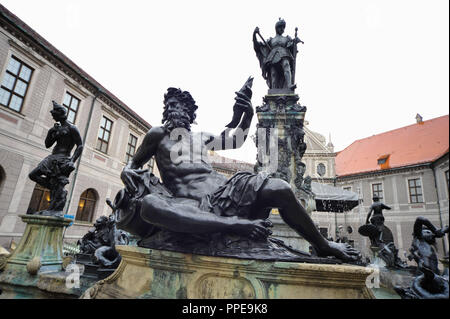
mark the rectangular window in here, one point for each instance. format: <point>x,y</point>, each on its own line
<point>415,190</point>
<point>71,103</point>
<point>377,190</point>
<point>104,134</point>
<point>131,148</point>
<point>15,84</point>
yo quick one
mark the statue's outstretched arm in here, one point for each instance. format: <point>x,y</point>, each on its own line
<point>422,221</point>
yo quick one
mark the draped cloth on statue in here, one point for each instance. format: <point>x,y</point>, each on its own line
<point>237,197</point>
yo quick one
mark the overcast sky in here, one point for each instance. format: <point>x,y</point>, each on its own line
<point>366,66</point>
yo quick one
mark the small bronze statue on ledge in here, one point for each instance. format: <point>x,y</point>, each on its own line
<point>430,284</point>
<point>54,170</point>
<point>277,57</point>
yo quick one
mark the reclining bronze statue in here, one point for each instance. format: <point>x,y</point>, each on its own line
<point>197,210</point>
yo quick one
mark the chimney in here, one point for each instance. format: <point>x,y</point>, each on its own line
<point>419,118</point>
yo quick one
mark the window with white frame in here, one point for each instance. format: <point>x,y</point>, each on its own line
<point>415,190</point>
<point>104,134</point>
<point>131,148</point>
<point>377,190</point>
<point>14,85</point>
<point>71,103</point>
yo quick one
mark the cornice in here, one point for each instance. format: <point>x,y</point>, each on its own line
<point>390,171</point>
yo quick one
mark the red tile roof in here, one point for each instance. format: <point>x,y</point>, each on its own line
<point>422,142</point>
<point>40,41</point>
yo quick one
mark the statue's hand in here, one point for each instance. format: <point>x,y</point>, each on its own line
<point>256,30</point>
<point>53,132</point>
<point>129,177</point>
<point>297,40</point>
<point>244,103</point>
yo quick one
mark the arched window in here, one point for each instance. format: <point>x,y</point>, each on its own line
<point>86,205</point>
<point>40,199</point>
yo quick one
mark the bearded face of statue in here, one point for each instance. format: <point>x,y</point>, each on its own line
<point>177,115</point>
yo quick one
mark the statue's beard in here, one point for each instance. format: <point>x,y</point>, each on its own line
<point>177,120</point>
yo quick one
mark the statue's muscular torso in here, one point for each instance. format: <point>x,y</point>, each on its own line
<point>68,137</point>
<point>188,174</point>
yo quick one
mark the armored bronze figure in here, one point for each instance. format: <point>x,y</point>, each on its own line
<point>194,205</point>
<point>54,170</point>
<point>277,57</point>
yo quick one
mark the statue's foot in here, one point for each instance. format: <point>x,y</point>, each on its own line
<point>342,251</point>
<point>292,86</point>
<point>254,229</point>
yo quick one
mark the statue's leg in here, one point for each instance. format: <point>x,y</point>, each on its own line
<point>169,214</point>
<point>273,77</point>
<point>278,193</point>
<point>287,72</point>
<point>36,176</point>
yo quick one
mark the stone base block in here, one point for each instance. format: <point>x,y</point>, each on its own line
<point>147,273</point>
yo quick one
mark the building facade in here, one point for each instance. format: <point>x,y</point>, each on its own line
<point>319,157</point>
<point>33,73</point>
<point>408,168</point>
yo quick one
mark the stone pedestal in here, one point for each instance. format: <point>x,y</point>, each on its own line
<point>38,255</point>
<point>147,273</point>
<point>41,244</point>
